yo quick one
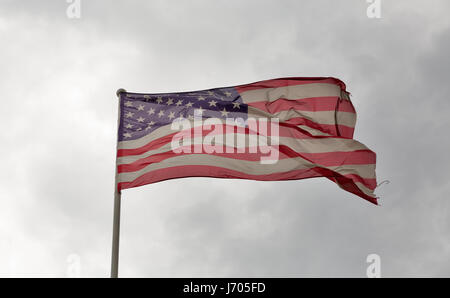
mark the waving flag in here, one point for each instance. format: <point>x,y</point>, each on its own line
<point>281,129</point>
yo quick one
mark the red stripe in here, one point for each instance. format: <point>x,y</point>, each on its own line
<point>314,104</point>
<point>283,82</point>
<point>370,183</point>
<point>331,129</point>
<point>216,172</point>
<point>285,130</point>
<point>152,145</point>
<point>327,159</point>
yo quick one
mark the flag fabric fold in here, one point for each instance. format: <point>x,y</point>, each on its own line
<point>280,129</point>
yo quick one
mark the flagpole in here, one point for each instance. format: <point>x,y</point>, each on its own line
<point>116,232</point>
<point>116,219</point>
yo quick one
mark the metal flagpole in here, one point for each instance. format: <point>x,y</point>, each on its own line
<point>115,239</point>
<point>116,219</point>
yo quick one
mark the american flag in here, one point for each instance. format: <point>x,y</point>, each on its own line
<point>315,135</point>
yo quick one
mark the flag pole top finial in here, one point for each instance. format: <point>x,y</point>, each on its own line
<point>120,91</point>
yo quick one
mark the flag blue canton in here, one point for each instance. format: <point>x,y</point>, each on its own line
<point>140,114</point>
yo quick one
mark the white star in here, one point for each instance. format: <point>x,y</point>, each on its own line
<point>170,101</point>
<point>198,112</point>
<point>228,94</point>
<point>147,97</point>
<point>171,115</point>
<point>140,119</point>
<point>224,112</point>
<point>159,100</point>
<point>129,125</point>
<point>161,113</point>
<point>150,123</point>
<point>189,104</point>
<point>210,93</point>
<point>138,129</point>
<point>200,98</point>
<point>128,104</point>
<point>129,115</point>
<point>151,111</point>
<point>179,103</point>
<point>212,103</point>
<point>140,108</point>
<point>148,127</point>
<point>127,135</point>
<point>236,105</point>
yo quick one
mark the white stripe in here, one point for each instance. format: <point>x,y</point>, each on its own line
<point>313,131</point>
<point>255,113</point>
<point>247,167</point>
<point>321,117</point>
<point>156,134</point>
<point>298,145</point>
<point>292,92</point>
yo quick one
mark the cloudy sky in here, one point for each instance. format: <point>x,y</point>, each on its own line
<point>58,117</point>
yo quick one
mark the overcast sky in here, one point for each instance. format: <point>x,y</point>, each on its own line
<point>58,118</point>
